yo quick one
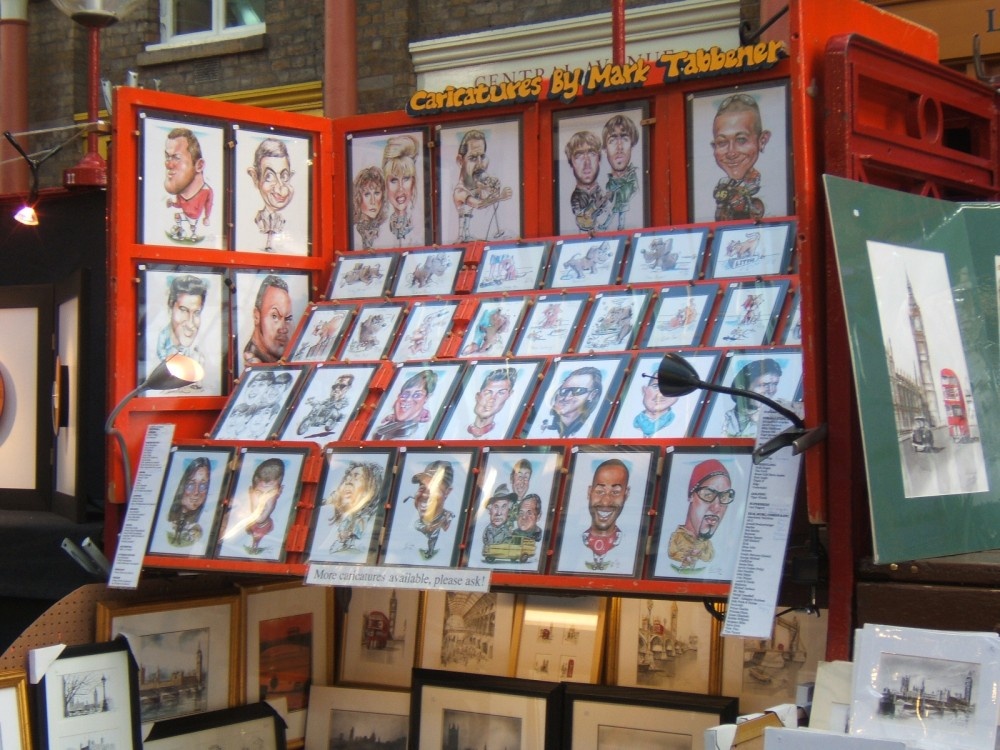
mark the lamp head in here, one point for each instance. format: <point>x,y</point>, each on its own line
<point>26,215</point>
<point>676,376</point>
<point>95,13</point>
<point>176,371</point>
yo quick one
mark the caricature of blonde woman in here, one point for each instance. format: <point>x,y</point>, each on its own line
<point>399,165</point>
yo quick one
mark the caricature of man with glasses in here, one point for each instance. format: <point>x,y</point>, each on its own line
<point>574,401</point>
<point>710,493</point>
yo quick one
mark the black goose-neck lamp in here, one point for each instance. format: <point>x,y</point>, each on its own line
<point>677,377</point>
<point>176,371</point>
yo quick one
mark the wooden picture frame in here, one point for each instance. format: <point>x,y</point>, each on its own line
<point>511,267</point>
<point>15,721</point>
<point>592,261</point>
<point>362,275</point>
<point>329,400</point>
<point>381,628</point>
<point>551,325</point>
<point>469,632</point>
<point>665,255</point>
<point>258,405</point>
<point>561,638</point>
<point>320,332</point>
<point>340,712</point>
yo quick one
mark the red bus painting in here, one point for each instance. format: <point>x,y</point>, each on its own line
<point>954,406</point>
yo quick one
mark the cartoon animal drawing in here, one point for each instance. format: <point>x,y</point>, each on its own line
<point>738,251</point>
<point>322,334</point>
<point>433,265</point>
<point>368,332</point>
<point>488,332</point>
<point>362,273</point>
<point>660,256</point>
<point>612,327</point>
<point>595,257</point>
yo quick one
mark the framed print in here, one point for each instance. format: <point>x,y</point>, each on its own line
<point>262,504</point>
<point>288,646</point>
<point>593,261</point>
<point>89,697</point>
<point>516,500</point>
<point>380,628</point>
<point>738,151</point>
<point>491,331</point>
<point>758,249</point>
<point>511,267</point>
<point>680,316</point>
<point>257,726</point>
<point>320,331</point>
<point>561,638</point>
<point>15,721</point>
<point>480,188</point>
<point>449,619</point>
<point>329,401</point>
<point>703,487</point>
<point>374,330</point>
<point>614,320</point>
<point>664,255</point>
<point>749,313</point>
<point>644,412</point>
<point>269,305</point>
<point>199,638</point>
<point>424,331</point>
<point>575,398</point>
<point>338,712</point>
<point>388,204</point>
<point>183,310</point>
<point>362,275</point>
<point>439,483</point>
<point>550,325</point>
<point>413,404</point>
<point>792,335</point>
<point>602,520</point>
<point>428,272</point>
<point>196,481</point>
<point>350,508</point>
<point>775,373</point>
<point>665,644</point>
<point>600,717</point>
<point>765,672</point>
<point>258,405</point>
<point>489,402</point>
<point>601,165</point>
<point>272,192</point>
<point>182,183</point>
<point>449,710</point>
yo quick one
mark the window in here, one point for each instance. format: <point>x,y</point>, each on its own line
<point>193,21</point>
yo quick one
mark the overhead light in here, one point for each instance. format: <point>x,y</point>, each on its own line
<point>26,215</point>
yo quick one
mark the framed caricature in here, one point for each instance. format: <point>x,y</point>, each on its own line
<point>257,407</point>
<point>329,401</point>
<point>664,255</point>
<point>480,188</point>
<point>388,204</point>
<point>644,412</point>
<point>491,331</point>
<point>261,506</point>
<point>272,192</point>
<point>576,396</point>
<point>614,319</point>
<point>428,272</point>
<point>201,635</point>
<point>792,335</point>
<point>738,151</point>
<point>381,628</point>
<point>775,373</point>
<point>449,618</point>
<point>89,697</point>
<point>666,644</point>
<point>339,712</point>
<point>350,505</point>
<point>183,310</point>
<point>449,710</point>
<point>362,275</point>
<point>429,531</point>
<point>551,324</point>
<point>414,403</point>
<point>561,638</point>
<point>196,481</point>
<point>680,316</point>
<point>269,306</point>
<point>511,267</point>
<point>515,503</point>
<point>703,488</point>
<point>288,646</point>
<point>320,332</point>
<point>601,165</point>
<point>374,330</point>
<point>489,402</point>
<point>749,313</point>
<point>593,261</point>
<point>183,183</point>
<point>758,249</point>
<point>602,520</point>
<point>425,329</point>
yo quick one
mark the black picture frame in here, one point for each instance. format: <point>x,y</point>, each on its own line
<point>362,275</point>
<point>680,316</point>
<point>428,323</point>
<point>666,255</point>
<point>256,725</point>
<point>285,308</point>
<point>259,402</point>
<point>328,401</point>
<point>749,312</point>
<point>415,401</point>
<point>493,327</point>
<point>551,324</point>
<point>760,249</point>
<point>373,331</point>
<point>614,320</point>
<point>320,332</point>
<point>428,272</point>
<point>511,267</point>
<point>585,262</point>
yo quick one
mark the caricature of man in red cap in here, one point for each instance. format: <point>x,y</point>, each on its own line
<point>710,492</point>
